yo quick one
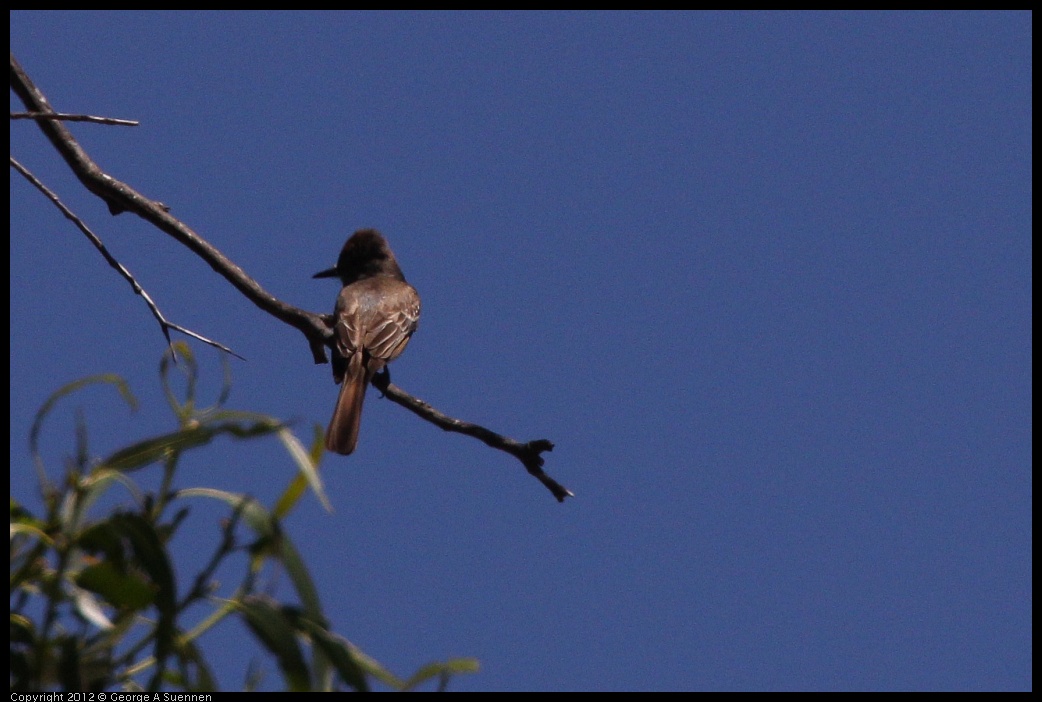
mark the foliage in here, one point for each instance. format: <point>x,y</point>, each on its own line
<point>94,600</point>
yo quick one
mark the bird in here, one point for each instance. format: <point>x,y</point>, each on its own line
<point>376,314</point>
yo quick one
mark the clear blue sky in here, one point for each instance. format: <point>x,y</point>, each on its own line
<point>764,279</point>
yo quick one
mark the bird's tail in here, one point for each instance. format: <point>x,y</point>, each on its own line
<point>342,434</point>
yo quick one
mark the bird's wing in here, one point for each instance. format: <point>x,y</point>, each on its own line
<point>390,328</point>
<point>378,322</point>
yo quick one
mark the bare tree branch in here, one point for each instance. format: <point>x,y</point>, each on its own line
<point>528,453</point>
<point>75,118</point>
<point>120,197</point>
<point>164,324</point>
<point>316,328</point>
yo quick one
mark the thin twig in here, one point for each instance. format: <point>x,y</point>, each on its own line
<point>75,118</point>
<point>164,324</point>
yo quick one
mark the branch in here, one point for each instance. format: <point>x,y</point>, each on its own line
<point>75,118</point>
<point>528,453</point>
<point>316,328</point>
<point>164,324</point>
<point>120,198</point>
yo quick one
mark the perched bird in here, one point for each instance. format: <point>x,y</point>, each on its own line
<point>376,312</point>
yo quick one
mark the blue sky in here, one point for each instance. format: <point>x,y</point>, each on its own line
<point>764,279</point>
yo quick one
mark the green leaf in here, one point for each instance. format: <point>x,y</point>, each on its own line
<point>151,555</point>
<point>22,629</point>
<point>442,670</point>
<point>189,368</point>
<point>374,669</point>
<point>277,634</point>
<point>256,515</point>
<point>97,484</point>
<point>149,451</point>
<point>190,659</point>
<point>308,472</point>
<point>103,537</point>
<point>266,527</point>
<point>339,652</point>
<point>121,589</point>
<point>30,530</point>
<point>298,573</point>
<point>45,409</point>
<point>19,513</point>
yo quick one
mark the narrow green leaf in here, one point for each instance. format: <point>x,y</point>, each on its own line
<point>308,469</point>
<point>30,530</point>
<point>34,433</point>
<point>374,669</point>
<point>302,582</point>
<point>256,515</point>
<point>291,495</point>
<point>22,629</point>
<point>189,368</point>
<point>449,668</point>
<point>190,659</point>
<point>99,481</point>
<point>339,652</point>
<point>149,451</point>
<point>275,631</point>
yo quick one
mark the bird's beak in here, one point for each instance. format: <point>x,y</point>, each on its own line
<point>331,273</point>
